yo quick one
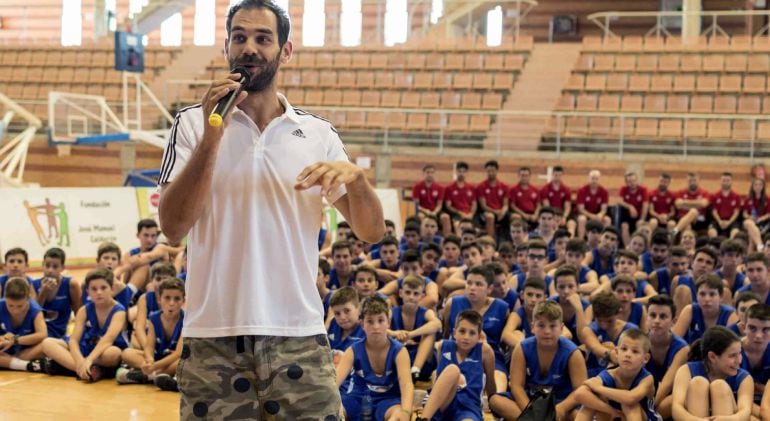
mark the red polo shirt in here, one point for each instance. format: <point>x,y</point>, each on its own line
<point>461,198</point>
<point>635,198</point>
<point>662,202</point>
<point>725,205</point>
<point>428,196</point>
<point>556,197</point>
<point>753,208</point>
<point>524,198</point>
<point>494,195</point>
<point>592,201</point>
<point>686,194</point>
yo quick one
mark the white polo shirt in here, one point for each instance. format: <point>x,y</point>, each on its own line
<point>253,254</point>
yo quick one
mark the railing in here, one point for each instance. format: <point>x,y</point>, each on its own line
<point>13,155</point>
<point>523,7</point>
<point>604,19</point>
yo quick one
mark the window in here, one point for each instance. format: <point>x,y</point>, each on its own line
<point>205,22</point>
<point>436,10</point>
<point>350,23</point>
<point>495,27</point>
<point>110,8</point>
<point>396,18</point>
<point>136,6</point>
<point>171,31</point>
<point>71,23</point>
<point>314,23</point>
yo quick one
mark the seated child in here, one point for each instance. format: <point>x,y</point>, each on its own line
<point>365,283</point>
<point>415,327</point>
<point>158,359</point>
<point>411,265</point>
<point>344,328</point>
<point>22,327</point>
<point>501,288</point>
<point>601,336</point>
<point>706,312</point>
<point>518,326</point>
<point>543,361</point>
<point>382,384</point>
<point>712,385</point>
<point>108,257</point>
<point>627,391</point>
<point>58,295</point>
<point>98,338</point>
<point>756,354</point>
<point>148,302</point>
<point>743,301</point>
<point>16,265</point>
<point>577,312</point>
<point>465,370</point>
<point>668,351</point>
<point>624,288</point>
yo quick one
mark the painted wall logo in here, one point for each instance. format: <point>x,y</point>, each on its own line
<point>55,216</point>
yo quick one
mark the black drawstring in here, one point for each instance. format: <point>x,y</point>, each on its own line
<point>240,346</point>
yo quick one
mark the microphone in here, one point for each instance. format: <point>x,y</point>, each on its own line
<point>226,103</point>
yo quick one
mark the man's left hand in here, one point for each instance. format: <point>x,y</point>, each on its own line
<point>328,175</point>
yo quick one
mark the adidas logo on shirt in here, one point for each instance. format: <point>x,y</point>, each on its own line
<point>299,133</point>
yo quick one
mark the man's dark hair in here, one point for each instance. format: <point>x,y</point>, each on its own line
<point>283,23</point>
<point>461,164</point>
<point>492,163</point>
<point>146,223</point>
<point>17,250</point>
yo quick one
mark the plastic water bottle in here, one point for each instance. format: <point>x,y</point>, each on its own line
<point>366,408</point>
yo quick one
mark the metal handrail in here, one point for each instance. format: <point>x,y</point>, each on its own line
<point>603,20</point>
<point>14,152</point>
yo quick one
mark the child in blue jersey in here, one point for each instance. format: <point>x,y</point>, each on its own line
<point>668,351</point>
<point>321,282</point>
<point>471,253</point>
<point>518,326</point>
<point>411,266</point>
<point>756,354</point>
<point>382,383</point>
<point>655,258</point>
<point>707,312</point>
<point>757,271</point>
<point>465,371</point>
<point>108,257</point>
<point>148,303</point>
<point>601,336</point>
<point>544,361</point>
<point>341,274</point>
<point>576,312</point>
<point>743,301</point>
<point>731,254</point>
<point>537,253</point>
<point>387,265</point>
<point>429,258</point>
<point>158,359</point>
<point>713,385</point>
<point>22,327</point>
<point>624,288</point>
<point>677,264</point>
<point>365,283</point>
<point>411,239</point>
<point>98,338</point>
<point>627,391</point>
<point>602,258</point>
<point>415,326</point>
<point>574,253</point>
<point>493,310</point>
<point>344,329</point>
<point>58,295</point>
<point>138,270</point>
<point>16,265</point>
<point>501,287</point>
<point>626,264</point>
<point>506,255</point>
<point>683,286</point>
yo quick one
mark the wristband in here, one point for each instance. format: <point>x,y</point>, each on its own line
<point>15,340</point>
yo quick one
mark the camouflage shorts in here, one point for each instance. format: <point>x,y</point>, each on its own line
<point>258,378</point>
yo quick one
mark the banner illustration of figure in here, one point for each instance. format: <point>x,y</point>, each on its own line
<point>64,225</point>
<point>33,212</point>
<point>49,210</point>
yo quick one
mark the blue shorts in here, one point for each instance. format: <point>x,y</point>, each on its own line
<point>352,403</point>
<point>500,364</point>
<point>457,411</point>
<point>381,407</point>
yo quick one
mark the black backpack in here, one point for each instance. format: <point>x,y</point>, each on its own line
<point>540,408</point>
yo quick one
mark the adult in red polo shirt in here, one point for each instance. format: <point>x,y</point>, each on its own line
<point>726,207</point>
<point>592,200</point>
<point>524,199</point>
<point>428,194</point>
<point>662,210</point>
<point>558,196</point>
<point>692,204</point>
<point>634,203</point>
<point>460,196</point>
<point>756,212</point>
<point>493,200</point>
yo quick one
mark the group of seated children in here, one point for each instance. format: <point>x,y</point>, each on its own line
<point>130,330</point>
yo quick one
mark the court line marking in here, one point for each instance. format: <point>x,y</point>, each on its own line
<point>10,382</point>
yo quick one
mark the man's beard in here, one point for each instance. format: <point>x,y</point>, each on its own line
<point>267,71</point>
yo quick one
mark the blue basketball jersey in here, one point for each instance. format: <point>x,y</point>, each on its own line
<point>687,281</point>
<point>748,288</point>
<point>93,332</point>
<point>572,323</point>
<point>647,403</point>
<point>698,325</point>
<point>584,271</point>
<point>596,264</point>
<point>735,329</point>
<point>365,380</point>
<point>334,280</point>
<point>469,397</point>
<point>557,378</point>
<point>659,371</point>
<point>647,266</point>
<point>494,320</point>
<point>164,345</point>
<point>57,311</point>
<point>664,281</point>
<point>698,369</point>
<point>123,297</point>
<point>340,343</point>
<point>27,326</point>
<point>4,279</point>
<point>740,278</point>
<point>593,364</point>
<point>521,278</point>
<point>637,311</point>
<point>511,298</point>
<point>760,373</point>
<point>524,326</point>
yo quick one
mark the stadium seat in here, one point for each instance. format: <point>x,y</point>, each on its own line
<point>595,82</point>
<point>647,63</point>
<point>639,82</point>
<point>430,99</point>
<point>480,123</point>
<point>713,63</point>
<point>749,105</point>
<point>365,80</point>
<point>417,122</point>
<point>327,79</point>
<point>696,129</point>
<point>691,63</point>
<point>730,83</point>
<point>660,83</point>
<point>423,80</point>
<point>492,101</point>
<point>669,63</point>
<point>346,79</point>
<point>707,83</point>
<point>604,63</point>
<point>351,98</point>
<point>670,129</point>
<point>701,104</point>
<point>475,62</point>
<point>390,99</point>
<point>503,81</point>
<point>744,130</point>
<point>599,126</point>
<point>454,61</point>
<point>609,103</point>
<point>483,81</point>
<point>684,83</point>
<point>677,103</point>
<point>514,62</point>
<point>443,80</point>
<point>646,127</point>
<point>332,98</point>
<point>575,82</point>
<point>719,129</point>
<point>654,104</point>
<point>625,63</point>
<point>759,63</point>
<point>458,123</point>
<point>493,61</point>
<point>450,100</point>
<point>735,63</point>
<point>463,80</point>
<point>725,104</point>
<point>631,103</point>
<point>754,84</point>
<point>410,100</point>
<point>586,102</point>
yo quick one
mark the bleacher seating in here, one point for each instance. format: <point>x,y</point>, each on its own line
<point>717,75</point>
<point>462,76</point>
<point>27,75</point>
